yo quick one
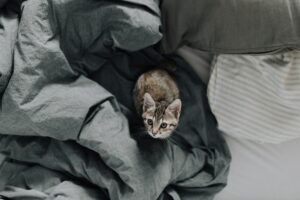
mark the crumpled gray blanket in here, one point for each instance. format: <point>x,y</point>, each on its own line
<point>67,123</point>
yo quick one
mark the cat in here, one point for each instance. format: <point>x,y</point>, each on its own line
<point>156,98</point>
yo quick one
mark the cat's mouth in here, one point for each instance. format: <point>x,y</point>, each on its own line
<point>159,135</point>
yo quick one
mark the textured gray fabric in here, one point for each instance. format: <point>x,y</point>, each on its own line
<point>42,73</point>
<point>193,164</point>
<point>256,26</point>
<point>67,113</point>
<point>7,41</point>
<point>199,60</point>
<point>2,3</point>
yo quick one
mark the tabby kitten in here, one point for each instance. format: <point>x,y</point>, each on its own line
<point>156,98</point>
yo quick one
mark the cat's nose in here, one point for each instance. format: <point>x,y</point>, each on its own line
<point>154,133</point>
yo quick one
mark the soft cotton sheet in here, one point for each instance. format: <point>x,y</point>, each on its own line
<point>262,171</point>
<point>67,119</point>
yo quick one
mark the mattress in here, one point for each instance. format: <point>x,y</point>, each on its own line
<point>261,171</point>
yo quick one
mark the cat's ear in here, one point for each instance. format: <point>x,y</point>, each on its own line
<point>149,103</point>
<point>175,108</point>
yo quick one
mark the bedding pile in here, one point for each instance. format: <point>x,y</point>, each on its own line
<point>67,122</point>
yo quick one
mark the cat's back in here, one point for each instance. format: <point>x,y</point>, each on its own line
<point>159,84</point>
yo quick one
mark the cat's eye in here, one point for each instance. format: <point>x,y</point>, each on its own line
<point>163,125</point>
<point>150,122</point>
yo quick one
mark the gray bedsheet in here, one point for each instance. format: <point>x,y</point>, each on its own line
<point>69,129</point>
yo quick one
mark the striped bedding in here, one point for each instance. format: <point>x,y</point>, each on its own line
<point>257,97</point>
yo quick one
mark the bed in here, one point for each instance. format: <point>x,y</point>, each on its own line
<point>258,170</point>
<point>67,122</point>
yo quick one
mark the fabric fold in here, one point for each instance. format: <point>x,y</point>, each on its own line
<point>68,121</point>
<point>8,32</point>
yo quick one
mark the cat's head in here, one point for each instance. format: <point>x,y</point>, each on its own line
<point>160,118</point>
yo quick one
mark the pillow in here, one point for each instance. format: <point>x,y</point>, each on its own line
<point>257,97</point>
<point>256,26</point>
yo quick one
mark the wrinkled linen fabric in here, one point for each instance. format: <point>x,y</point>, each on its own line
<point>38,54</point>
<point>67,119</point>
<point>257,97</point>
<point>10,21</point>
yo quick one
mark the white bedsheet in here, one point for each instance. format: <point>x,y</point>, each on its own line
<point>263,171</point>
